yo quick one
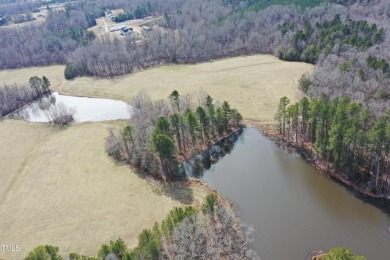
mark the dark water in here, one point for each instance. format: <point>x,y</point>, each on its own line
<point>293,209</point>
<point>86,109</point>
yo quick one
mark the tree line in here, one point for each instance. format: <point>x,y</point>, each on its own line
<point>13,97</point>
<point>213,232</point>
<point>160,132</point>
<point>342,133</point>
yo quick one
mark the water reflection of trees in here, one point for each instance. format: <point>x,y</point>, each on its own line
<point>47,108</point>
<point>202,162</point>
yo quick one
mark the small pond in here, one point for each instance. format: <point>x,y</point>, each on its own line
<point>85,109</point>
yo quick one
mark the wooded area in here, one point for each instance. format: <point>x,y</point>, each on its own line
<point>344,134</point>
<point>159,133</point>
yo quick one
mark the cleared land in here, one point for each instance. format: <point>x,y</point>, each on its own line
<point>40,17</point>
<point>101,29</point>
<point>59,187</point>
<point>253,84</point>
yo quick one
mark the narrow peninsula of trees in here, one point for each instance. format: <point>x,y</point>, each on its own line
<point>343,134</point>
<point>162,133</point>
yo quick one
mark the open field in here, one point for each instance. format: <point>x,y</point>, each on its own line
<point>21,76</point>
<point>253,84</point>
<point>59,187</point>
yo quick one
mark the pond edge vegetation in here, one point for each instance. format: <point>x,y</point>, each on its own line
<point>286,133</point>
<point>14,98</point>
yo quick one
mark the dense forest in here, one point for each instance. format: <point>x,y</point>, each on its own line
<point>161,133</point>
<point>213,232</point>
<point>343,134</point>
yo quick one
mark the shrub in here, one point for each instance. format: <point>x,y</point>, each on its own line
<point>70,72</point>
<point>45,252</point>
<point>117,248</point>
<point>210,203</point>
<point>383,95</point>
<point>341,253</point>
<point>291,55</point>
<point>305,83</point>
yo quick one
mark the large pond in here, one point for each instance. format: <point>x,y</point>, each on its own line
<point>85,109</point>
<point>293,209</point>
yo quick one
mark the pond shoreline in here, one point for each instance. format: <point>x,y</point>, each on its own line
<point>25,105</point>
<point>382,201</point>
<point>83,109</point>
<point>203,185</point>
<point>199,183</point>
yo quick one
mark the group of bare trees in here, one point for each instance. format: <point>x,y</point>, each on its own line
<point>213,235</point>
<point>13,97</point>
<point>61,115</point>
<point>350,73</point>
<point>51,42</point>
<point>41,44</point>
<point>11,7</point>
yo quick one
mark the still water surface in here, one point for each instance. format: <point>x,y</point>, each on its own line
<point>86,109</point>
<point>294,209</point>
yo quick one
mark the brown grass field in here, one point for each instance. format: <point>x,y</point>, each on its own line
<point>59,187</point>
<point>21,76</point>
<point>252,84</point>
